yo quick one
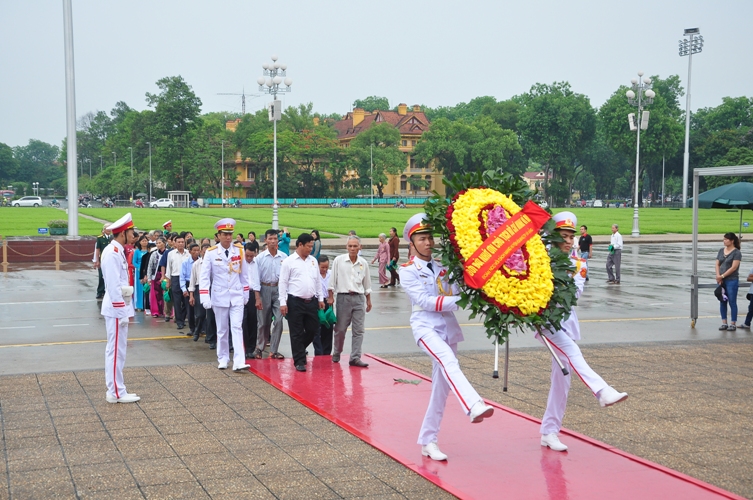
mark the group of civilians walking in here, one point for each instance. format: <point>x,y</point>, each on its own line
<point>188,280</point>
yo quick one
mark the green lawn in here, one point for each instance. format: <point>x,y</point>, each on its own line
<point>24,221</point>
<point>366,222</point>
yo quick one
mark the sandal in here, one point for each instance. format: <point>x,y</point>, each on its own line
<point>723,327</point>
<point>731,328</point>
<point>277,355</point>
<point>257,354</point>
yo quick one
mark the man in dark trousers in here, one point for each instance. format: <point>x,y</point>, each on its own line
<point>394,256</point>
<point>102,241</point>
<point>301,297</point>
<point>585,245</point>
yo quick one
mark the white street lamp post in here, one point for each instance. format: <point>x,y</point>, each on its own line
<point>271,85</point>
<point>131,148</point>
<point>150,171</point>
<point>693,45</point>
<point>640,95</point>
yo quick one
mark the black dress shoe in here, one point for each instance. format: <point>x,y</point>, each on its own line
<point>181,326</point>
<point>358,363</point>
<point>300,368</point>
<point>213,346</point>
<point>195,337</point>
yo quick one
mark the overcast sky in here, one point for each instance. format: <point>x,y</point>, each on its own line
<point>437,52</point>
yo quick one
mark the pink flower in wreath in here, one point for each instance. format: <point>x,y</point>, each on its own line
<point>495,218</point>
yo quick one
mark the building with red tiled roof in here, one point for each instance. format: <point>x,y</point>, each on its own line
<point>535,180</point>
<point>411,124</point>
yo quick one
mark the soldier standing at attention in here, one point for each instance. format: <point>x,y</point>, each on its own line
<point>437,332</point>
<point>117,308</point>
<point>223,287</point>
<point>102,241</point>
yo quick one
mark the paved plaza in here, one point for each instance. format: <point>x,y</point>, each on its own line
<point>203,433</point>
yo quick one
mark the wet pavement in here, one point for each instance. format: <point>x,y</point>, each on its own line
<point>689,407</point>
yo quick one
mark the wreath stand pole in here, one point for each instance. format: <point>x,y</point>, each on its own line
<point>507,362</point>
<point>495,373</point>
<point>548,344</point>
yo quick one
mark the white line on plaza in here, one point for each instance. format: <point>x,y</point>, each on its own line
<point>45,302</point>
<point>15,327</point>
<point>75,324</point>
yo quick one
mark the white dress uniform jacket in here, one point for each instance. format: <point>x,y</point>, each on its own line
<point>115,274</point>
<point>437,332</point>
<point>223,280</point>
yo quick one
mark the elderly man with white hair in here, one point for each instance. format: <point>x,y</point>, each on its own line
<point>351,284</point>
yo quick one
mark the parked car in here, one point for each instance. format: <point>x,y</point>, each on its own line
<point>543,204</point>
<point>598,204</point>
<point>28,201</point>
<point>162,203</point>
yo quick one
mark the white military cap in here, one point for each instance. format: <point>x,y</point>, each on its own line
<point>416,224</point>
<point>121,224</point>
<point>225,225</point>
<point>565,220</point>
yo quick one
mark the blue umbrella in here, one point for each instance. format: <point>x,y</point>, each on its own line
<point>736,195</point>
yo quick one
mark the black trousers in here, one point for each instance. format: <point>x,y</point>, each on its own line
<point>303,323</point>
<point>250,325</point>
<point>200,317</point>
<point>179,301</point>
<point>210,327</point>
<point>100,284</point>
<point>323,339</point>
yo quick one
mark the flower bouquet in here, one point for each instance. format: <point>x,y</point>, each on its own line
<point>498,247</point>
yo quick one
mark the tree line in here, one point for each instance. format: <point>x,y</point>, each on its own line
<point>550,128</point>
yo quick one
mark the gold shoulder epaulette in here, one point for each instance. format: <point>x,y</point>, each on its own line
<point>409,263</point>
<point>212,248</point>
<point>238,245</point>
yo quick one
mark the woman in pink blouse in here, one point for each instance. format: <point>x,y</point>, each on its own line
<point>383,256</point>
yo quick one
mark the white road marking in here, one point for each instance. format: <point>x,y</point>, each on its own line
<point>75,324</point>
<point>15,327</point>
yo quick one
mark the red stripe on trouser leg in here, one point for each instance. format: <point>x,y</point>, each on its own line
<point>115,358</point>
<point>571,365</point>
<point>454,389</point>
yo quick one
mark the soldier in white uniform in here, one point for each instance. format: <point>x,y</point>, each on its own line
<point>223,287</point>
<point>437,332</point>
<point>117,308</point>
<point>563,342</point>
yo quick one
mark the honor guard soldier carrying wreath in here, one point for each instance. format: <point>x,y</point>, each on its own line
<point>437,332</point>
<point>223,287</point>
<point>117,308</point>
<point>563,341</point>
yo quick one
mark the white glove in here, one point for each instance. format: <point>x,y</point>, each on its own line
<point>206,302</point>
<point>127,292</point>
<point>123,322</point>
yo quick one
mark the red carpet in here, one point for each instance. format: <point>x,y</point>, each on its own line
<point>498,458</point>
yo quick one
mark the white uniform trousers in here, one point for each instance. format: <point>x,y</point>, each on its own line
<point>445,376</point>
<point>115,355</point>
<point>235,315</point>
<point>569,353</point>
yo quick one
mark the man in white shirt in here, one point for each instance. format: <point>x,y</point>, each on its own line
<point>175,261</point>
<point>269,262</point>
<point>351,283</point>
<point>615,256</point>
<point>193,292</point>
<point>301,297</point>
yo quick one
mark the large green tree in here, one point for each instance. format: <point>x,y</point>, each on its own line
<point>462,147</point>
<point>177,110</point>
<point>372,103</point>
<point>661,140</point>
<point>8,165</point>
<point>556,125</point>
<point>381,140</point>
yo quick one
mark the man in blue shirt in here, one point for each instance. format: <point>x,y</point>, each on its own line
<point>185,279</point>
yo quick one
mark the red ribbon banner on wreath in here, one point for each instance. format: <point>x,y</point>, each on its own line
<point>501,244</point>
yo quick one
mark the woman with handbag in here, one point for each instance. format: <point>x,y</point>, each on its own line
<point>383,257</point>
<point>727,276</point>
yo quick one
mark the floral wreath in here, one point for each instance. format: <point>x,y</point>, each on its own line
<point>532,288</point>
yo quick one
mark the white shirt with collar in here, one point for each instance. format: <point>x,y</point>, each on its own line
<point>300,278</point>
<point>616,240</point>
<point>269,266</point>
<point>252,275</point>
<point>175,260</point>
<point>348,276</point>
